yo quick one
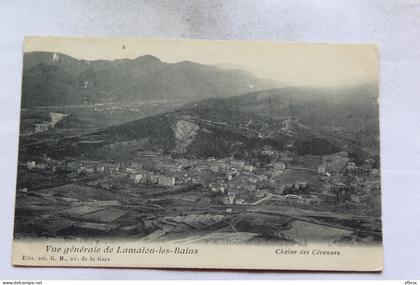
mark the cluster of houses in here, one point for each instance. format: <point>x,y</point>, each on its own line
<point>133,170</point>
<point>94,167</point>
<point>337,168</point>
<point>240,181</point>
<point>238,174</point>
<point>236,181</point>
<point>139,175</point>
<point>44,163</point>
<point>243,182</point>
<point>339,163</point>
<point>33,165</point>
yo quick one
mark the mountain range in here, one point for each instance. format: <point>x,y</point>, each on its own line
<point>56,79</point>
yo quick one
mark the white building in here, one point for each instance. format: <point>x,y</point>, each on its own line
<point>351,166</point>
<point>166,180</point>
<point>279,166</point>
<point>130,170</point>
<point>237,163</point>
<point>154,179</point>
<point>322,169</point>
<point>100,168</point>
<point>89,170</point>
<point>31,164</point>
<point>228,200</point>
<point>138,178</point>
<point>249,168</point>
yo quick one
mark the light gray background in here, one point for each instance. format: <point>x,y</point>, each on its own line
<point>393,25</point>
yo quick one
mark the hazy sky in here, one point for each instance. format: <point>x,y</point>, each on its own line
<point>293,64</point>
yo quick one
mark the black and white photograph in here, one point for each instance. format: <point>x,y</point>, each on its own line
<point>199,142</point>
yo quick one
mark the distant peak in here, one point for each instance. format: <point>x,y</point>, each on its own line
<point>147,59</point>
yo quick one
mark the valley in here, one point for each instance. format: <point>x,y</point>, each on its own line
<point>174,181</point>
<point>188,153</point>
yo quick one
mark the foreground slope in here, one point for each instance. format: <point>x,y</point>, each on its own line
<point>200,131</point>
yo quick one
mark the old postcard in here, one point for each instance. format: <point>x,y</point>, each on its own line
<point>198,154</point>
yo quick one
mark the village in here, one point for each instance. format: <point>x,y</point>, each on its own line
<point>282,197</point>
<point>293,180</point>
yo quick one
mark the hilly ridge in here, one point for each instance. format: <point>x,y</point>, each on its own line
<point>300,119</point>
<point>347,116</point>
<point>200,131</point>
